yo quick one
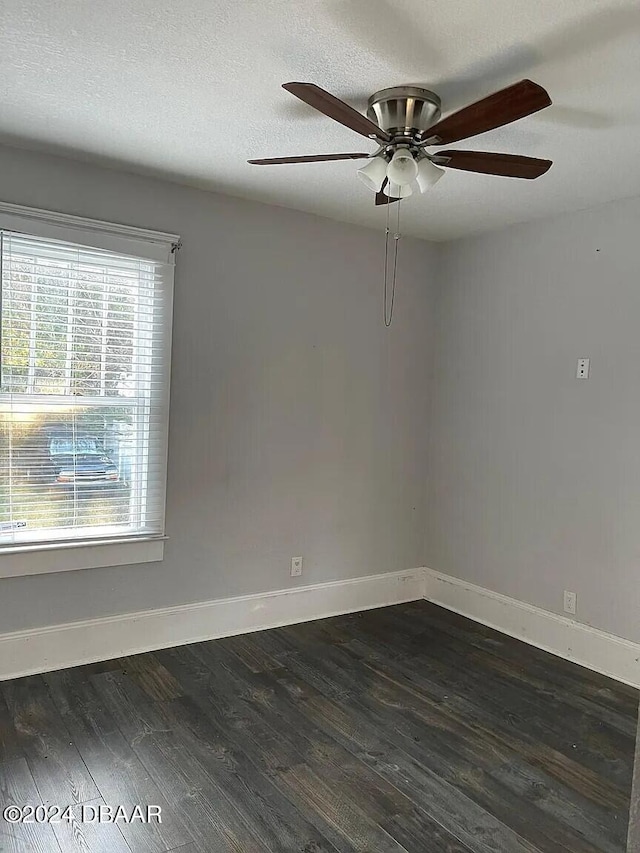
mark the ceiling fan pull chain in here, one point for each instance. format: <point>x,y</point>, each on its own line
<point>387,231</point>
<point>388,315</point>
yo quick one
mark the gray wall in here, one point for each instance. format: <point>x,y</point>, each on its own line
<point>298,422</point>
<point>534,476</point>
<point>300,425</point>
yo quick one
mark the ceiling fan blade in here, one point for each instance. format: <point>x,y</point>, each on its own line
<point>308,158</point>
<point>503,107</point>
<point>507,165</point>
<point>336,109</point>
<point>382,198</point>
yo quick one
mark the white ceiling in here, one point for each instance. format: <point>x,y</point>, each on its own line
<point>189,89</point>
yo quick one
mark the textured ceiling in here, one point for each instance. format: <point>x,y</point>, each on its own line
<point>189,89</point>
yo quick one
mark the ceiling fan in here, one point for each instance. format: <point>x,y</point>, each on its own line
<point>405,120</point>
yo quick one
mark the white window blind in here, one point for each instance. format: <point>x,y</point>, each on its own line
<point>83,393</point>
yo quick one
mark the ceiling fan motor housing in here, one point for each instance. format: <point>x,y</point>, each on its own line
<point>405,112</point>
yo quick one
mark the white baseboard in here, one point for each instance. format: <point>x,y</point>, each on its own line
<point>60,646</point>
<point>75,643</point>
<point>605,653</point>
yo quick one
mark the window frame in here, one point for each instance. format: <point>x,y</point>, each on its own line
<point>18,559</point>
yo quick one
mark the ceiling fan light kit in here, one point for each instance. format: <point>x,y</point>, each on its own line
<point>428,174</point>
<point>373,174</point>
<point>405,120</point>
<point>397,191</point>
<point>402,168</point>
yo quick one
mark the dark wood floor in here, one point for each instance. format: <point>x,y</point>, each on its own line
<point>401,730</point>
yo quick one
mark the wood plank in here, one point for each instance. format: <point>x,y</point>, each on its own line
<point>88,836</point>
<point>513,672</point>
<point>270,815</point>
<point>248,650</point>
<point>565,804</point>
<point>538,687</point>
<point>147,671</point>
<point>510,841</point>
<point>578,736</point>
<point>461,771</point>
<point>500,780</point>
<point>120,776</point>
<point>269,720</point>
<point>486,722</point>
<point>58,770</point>
<point>87,670</point>
<point>354,826</point>
<point>17,788</point>
<point>230,702</point>
<point>9,744</point>
<point>213,820</point>
<point>554,670</point>
<point>486,770</point>
<point>230,706</point>
<point>412,831</point>
<point>453,810</point>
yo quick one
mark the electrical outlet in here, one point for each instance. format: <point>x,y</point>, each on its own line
<point>582,371</point>
<point>296,567</point>
<point>570,602</point>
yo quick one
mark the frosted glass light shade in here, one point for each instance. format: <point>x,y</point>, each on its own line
<point>396,191</point>
<point>428,174</point>
<point>374,173</point>
<point>403,168</point>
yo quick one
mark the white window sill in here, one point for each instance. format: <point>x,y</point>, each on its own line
<point>34,559</point>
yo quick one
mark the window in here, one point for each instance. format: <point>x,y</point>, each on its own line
<point>83,394</point>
